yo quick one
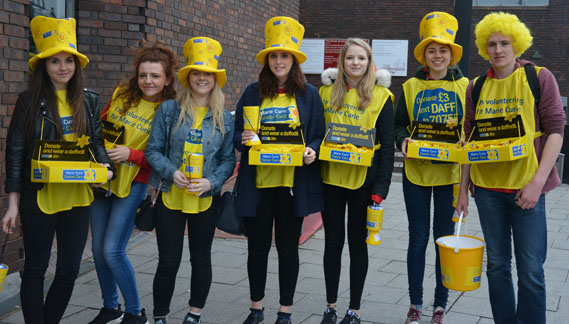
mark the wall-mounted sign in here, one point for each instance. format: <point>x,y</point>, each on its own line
<point>391,54</point>
<point>314,50</point>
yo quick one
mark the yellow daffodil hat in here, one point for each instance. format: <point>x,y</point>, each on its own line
<point>202,54</point>
<point>439,27</point>
<point>283,34</point>
<point>52,36</point>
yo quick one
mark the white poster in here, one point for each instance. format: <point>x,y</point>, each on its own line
<point>391,55</point>
<point>314,50</point>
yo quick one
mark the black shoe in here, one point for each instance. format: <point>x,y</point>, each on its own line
<point>191,320</point>
<point>283,321</point>
<point>330,316</point>
<point>161,320</point>
<point>254,318</point>
<point>351,318</point>
<point>135,319</point>
<point>108,316</point>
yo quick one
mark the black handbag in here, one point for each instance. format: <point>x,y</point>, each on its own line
<point>227,219</point>
<point>146,211</point>
<point>144,219</point>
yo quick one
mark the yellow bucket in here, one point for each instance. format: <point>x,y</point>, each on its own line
<point>3,272</point>
<point>461,260</point>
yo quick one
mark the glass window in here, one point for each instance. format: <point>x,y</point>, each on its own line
<point>52,8</point>
<point>509,3</point>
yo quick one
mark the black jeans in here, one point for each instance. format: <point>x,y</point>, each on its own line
<point>277,203</point>
<point>333,218</point>
<point>170,227</point>
<point>38,230</point>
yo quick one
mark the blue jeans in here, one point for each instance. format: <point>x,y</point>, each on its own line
<point>112,223</point>
<point>500,217</point>
<point>418,204</point>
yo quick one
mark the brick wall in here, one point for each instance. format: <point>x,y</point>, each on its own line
<point>14,31</point>
<point>109,29</point>
<point>107,32</point>
<point>400,20</point>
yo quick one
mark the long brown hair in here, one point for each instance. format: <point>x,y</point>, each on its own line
<point>40,89</point>
<point>156,53</point>
<point>269,85</point>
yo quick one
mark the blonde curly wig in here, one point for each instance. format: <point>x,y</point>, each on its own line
<point>506,24</point>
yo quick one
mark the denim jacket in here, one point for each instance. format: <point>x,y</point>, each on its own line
<point>166,158</point>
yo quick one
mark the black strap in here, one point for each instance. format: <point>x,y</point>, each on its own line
<point>477,88</point>
<point>533,82</point>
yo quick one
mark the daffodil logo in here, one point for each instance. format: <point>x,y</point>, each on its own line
<point>210,48</point>
<point>62,37</point>
<point>510,117</point>
<point>288,30</point>
<point>492,155</point>
<point>523,148</point>
<point>83,141</point>
<point>443,154</point>
<point>89,175</point>
<point>285,158</point>
<point>355,157</point>
<point>452,123</point>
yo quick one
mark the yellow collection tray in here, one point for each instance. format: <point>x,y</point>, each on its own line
<point>429,150</point>
<point>276,154</point>
<point>508,149</point>
<point>333,154</point>
<point>68,172</point>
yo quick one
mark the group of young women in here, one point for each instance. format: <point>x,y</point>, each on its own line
<point>160,133</point>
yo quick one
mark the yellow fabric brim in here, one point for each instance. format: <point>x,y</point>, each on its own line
<point>300,57</point>
<point>33,62</point>
<point>220,75</point>
<point>420,50</point>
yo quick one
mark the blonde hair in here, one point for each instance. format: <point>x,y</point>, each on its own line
<point>506,24</point>
<point>215,102</point>
<point>365,86</point>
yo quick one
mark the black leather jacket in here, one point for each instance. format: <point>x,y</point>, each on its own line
<point>19,155</point>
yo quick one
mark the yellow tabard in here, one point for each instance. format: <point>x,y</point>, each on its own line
<point>341,174</point>
<point>281,109</point>
<point>435,101</point>
<point>137,122</point>
<point>505,97</point>
<point>181,199</point>
<point>57,197</point>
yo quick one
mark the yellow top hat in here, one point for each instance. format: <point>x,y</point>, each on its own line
<point>52,36</point>
<point>438,27</point>
<point>283,34</point>
<point>202,54</point>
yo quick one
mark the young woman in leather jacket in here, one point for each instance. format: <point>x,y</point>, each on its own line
<point>55,106</point>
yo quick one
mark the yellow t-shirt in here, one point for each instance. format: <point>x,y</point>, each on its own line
<point>57,197</point>
<point>137,122</point>
<point>181,199</point>
<point>280,109</point>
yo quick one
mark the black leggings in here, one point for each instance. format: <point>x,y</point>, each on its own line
<point>277,203</point>
<point>170,227</point>
<point>333,217</point>
<point>70,229</point>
